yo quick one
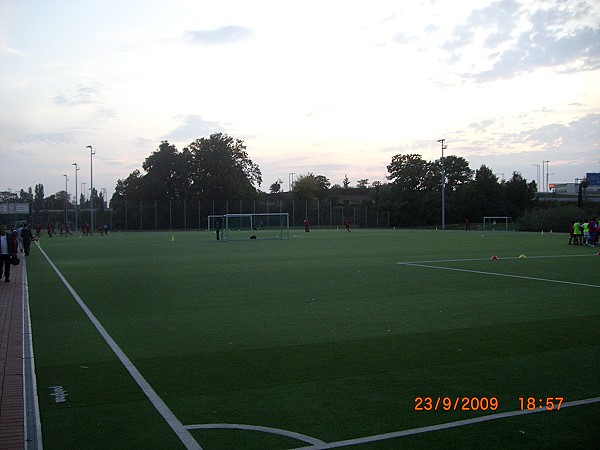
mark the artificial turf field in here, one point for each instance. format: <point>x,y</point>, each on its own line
<point>329,334</point>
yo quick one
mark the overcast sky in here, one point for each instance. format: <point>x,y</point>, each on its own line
<point>329,87</point>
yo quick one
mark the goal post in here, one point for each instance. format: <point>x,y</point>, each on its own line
<point>241,227</point>
<point>498,223</point>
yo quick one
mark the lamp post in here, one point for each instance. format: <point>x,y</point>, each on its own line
<point>547,177</point>
<point>104,199</point>
<point>443,185</point>
<point>538,175</point>
<point>66,197</point>
<point>91,188</point>
<point>76,199</point>
<point>545,180</point>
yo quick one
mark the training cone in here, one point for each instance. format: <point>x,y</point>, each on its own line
<point>494,257</point>
<point>522,256</point>
<point>172,238</point>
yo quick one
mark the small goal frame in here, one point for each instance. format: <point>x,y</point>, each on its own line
<point>508,223</point>
<point>259,226</point>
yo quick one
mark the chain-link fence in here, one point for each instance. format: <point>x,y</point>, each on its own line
<point>186,215</point>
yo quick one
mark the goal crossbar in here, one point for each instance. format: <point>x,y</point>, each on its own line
<point>260,226</point>
<point>495,223</point>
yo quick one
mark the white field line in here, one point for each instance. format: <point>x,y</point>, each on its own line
<point>547,280</point>
<point>33,425</point>
<point>488,259</point>
<point>481,272</point>
<point>445,426</point>
<point>181,432</point>
<point>235,426</point>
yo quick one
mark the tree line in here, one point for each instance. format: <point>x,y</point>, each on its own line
<point>219,169</point>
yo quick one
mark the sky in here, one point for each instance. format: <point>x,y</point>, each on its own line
<point>329,87</point>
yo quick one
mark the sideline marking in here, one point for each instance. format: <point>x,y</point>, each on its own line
<point>501,275</point>
<point>184,435</point>
<point>235,426</point>
<point>504,258</point>
<point>33,424</point>
<point>442,426</point>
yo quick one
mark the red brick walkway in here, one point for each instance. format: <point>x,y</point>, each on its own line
<point>12,422</point>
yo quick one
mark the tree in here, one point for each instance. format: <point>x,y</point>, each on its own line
<point>220,168</point>
<point>482,196</point>
<point>456,170</point>
<point>310,187</point>
<point>409,172</point>
<point>361,184</point>
<point>165,173</point>
<point>518,195</point>
<point>275,188</point>
<point>323,183</point>
<point>129,188</point>
<point>38,199</point>
<point>346,182</point>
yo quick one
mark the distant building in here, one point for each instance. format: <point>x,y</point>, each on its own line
<point>573,188</point>
<point>593,179</point>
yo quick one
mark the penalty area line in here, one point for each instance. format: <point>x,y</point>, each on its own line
<point>182,433</point>
<point>444,426</point>
<point>504,258</point>
<point>481,272</point>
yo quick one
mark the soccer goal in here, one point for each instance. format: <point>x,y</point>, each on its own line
<point>238,227</point>
<point>501,223</point>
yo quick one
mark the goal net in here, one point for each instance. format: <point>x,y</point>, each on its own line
<point>500,223</point>
<point>241,227</point>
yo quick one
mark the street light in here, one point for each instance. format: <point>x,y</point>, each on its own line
<point>538,175</point>
<point>76,199</point>
<point>91,188</point>
<point>66,197</point>
<point>545,183</point>
<point>444,147</point>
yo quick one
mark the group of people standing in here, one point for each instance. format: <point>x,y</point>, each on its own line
<point>584,232</point>
<point>10,242</point>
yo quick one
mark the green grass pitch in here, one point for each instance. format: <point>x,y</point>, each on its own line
<point>330,335</point>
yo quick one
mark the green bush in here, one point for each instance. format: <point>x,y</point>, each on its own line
<point>555,218</point>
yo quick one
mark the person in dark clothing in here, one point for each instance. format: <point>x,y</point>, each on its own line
<point>8,249</point>
<point>26,236</point>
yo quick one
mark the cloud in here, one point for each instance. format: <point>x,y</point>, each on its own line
<point>498,20</point>
<point>578,52</point>
<point>81,95</point>
<point>577,135</point>
<point>47,138</point>
<point>218,36</point>
<point>193,127</point>
<point>142,142</point>
<point>482,126</point>
<point>5,48</point>
<point>515,40</point>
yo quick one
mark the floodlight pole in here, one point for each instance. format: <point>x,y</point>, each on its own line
<point>443,185</point>
<point>538,175</point>
<point>76,199</point>
<point>66,197</point>
<point>92,153</point>
<point>547,179</point>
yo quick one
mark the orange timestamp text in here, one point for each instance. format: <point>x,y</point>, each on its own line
<point>456,403</point>
<point>533,403</point>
